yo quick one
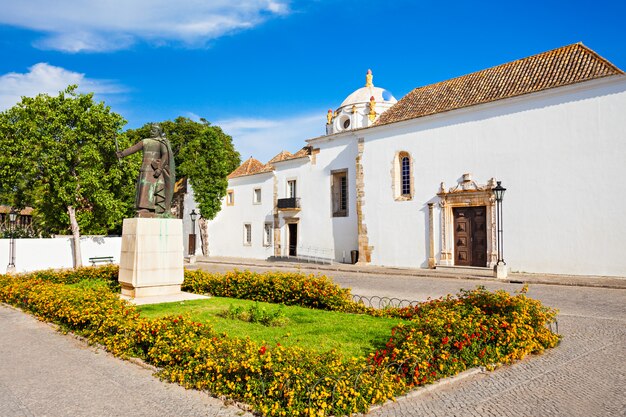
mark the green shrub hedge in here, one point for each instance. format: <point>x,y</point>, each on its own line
<point>439,338</point>
<point>275,287</point>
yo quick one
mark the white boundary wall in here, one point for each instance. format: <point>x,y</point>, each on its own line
<point>36,254</point>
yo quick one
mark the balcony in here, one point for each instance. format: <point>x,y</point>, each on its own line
<point>287,204</point>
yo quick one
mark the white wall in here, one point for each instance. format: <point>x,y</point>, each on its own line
<point>319,233</point>
<point>336,236</point>
<point>36,254</point>
<point>559,153</point>
<point>226,230</point>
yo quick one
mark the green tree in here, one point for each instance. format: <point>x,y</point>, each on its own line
<point>205,155</point>
<point>59,158</point>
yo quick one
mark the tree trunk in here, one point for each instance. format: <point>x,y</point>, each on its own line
<point>78,260</point>
<point>204,235</point>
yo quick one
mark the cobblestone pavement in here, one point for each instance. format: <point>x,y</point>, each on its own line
<point>585,376</point>
<point>46,374</point>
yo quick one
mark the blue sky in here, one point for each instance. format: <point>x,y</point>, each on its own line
<point>268,70</point>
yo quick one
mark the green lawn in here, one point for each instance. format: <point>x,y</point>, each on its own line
<point>350,334</point>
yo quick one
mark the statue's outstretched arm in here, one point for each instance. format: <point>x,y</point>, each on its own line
<point>129,151</point>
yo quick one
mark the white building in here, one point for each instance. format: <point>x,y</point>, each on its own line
<point>409,183</point>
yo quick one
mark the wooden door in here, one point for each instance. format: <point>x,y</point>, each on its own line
<point>470,236</point>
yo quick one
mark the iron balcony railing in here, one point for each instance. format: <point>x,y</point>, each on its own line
<point>289,203</point>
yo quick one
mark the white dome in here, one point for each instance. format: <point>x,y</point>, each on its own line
<point>361,108</point>
<point>363,95</point>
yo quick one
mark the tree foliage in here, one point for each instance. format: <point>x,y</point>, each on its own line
<point>203,153</point>
<point>59,156</point>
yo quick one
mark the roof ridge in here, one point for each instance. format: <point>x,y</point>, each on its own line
<point>250,166</point>
<point>599,57</point>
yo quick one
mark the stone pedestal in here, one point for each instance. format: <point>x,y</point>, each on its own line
<point>151,263</point>
<point>500,271</point>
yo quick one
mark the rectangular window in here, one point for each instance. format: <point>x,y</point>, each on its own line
<point>230,198</point>
<point>247,234</point>
<point>256,196</point>
<point>291,189</point>
<point>267,234</point>
<point>339,193</point>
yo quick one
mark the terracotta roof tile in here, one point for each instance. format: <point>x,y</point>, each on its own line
<point>284,155</point>
<point>28,211</point>
<point>563,66</point>
<point>253,166</point>
<point>306,151</point>
<point>250,167</point>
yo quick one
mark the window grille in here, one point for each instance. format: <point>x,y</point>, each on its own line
<point>406,175</point>
<point>247,234</point>
<point>267,235</point>
<point>339,193</point>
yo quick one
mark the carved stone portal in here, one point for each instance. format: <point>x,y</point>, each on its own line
<point>467,193</point>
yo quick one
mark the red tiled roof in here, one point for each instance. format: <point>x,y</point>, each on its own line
<point>253,166</point>
<point>250,167</point>
<point>284,155</point>
<point>563,66</point>
<point>306,151</point>
<point>28,211</point>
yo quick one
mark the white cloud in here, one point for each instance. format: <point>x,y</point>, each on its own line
<point>90,25</point>
<point>45,78</point>
<point>265,138</point>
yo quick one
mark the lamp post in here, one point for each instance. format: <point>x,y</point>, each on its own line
<point>500,268</point>
<point>192,236</point>
<point>12,220</point>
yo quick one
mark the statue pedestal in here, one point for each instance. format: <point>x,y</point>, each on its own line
<point>151,263</point>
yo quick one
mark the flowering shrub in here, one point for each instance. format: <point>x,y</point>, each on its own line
<point>446,336</point>
<point>106,273</point>
<point>273,287</point>
<point>436,339</point>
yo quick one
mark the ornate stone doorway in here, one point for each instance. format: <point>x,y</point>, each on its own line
<point>468,224</point>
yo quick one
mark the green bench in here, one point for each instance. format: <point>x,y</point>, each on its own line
<point>101,259</point>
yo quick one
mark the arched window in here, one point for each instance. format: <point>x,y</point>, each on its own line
<point>402,176</point>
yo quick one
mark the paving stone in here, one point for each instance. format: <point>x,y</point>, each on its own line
<point>45,373</point>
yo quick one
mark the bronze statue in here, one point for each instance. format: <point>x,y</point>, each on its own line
<point>155,184</point>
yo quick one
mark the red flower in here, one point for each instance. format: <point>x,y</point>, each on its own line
<point>262,350</point>
<point>445,340</point>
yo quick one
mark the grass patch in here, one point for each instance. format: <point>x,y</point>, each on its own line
<point>349,334</point>
<point>257,314</point>
<point>91,284</point>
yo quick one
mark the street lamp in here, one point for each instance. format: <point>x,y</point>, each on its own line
<point>192,235</point>
<point>12,220</point>
<point>500,268</point>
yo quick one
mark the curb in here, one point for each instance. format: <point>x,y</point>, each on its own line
<point>580,281</point>
<point>431,387</point>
